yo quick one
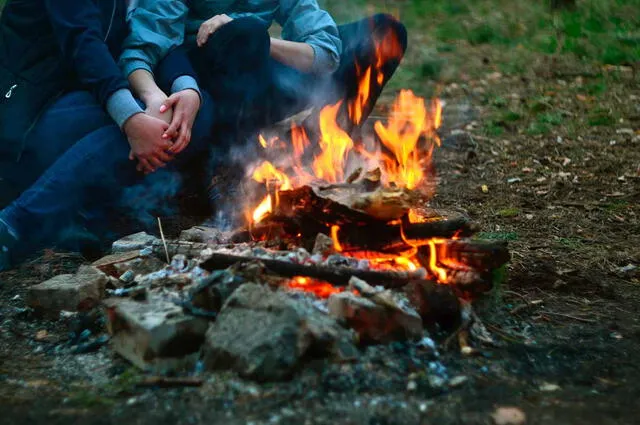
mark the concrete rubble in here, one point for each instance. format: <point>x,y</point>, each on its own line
<point>264,335</point>
<point>137,241</point>
<point>155,334</point>
<point>68,292</point>
<point>376,315</point>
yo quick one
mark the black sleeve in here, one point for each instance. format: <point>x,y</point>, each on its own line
<point>175,64</point>
<point>79,31</point>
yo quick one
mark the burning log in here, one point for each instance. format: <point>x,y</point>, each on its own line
<point>389,237</point>
<point>339,276</point>
<point>465,254</point>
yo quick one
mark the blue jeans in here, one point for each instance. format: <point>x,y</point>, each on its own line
<point>77,171</point>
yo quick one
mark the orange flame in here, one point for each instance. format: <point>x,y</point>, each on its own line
<point>334,235</point>
<point>265,207</point>
<point>335,144</point>
<point>356,107</point>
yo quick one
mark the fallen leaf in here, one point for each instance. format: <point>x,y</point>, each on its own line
<point>484,188</point>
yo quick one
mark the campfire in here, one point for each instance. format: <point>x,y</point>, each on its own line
<point>339,248</point>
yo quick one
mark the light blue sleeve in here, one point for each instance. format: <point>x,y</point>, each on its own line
<point>156,27</point>
<point>303,21</point>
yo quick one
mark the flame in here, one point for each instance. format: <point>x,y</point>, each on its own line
<point>334,235</point>
<point>335,144</point>
<point>407,123</point>
<point>265,207</point>
<point>356,107</point>
<point>440,273</point>
<point>262,141</point>
<point>318,287</point>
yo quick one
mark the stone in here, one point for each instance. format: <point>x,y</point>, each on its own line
<point>265,335</point>
<point>434,303</point>
<point>68,292</point>
<point>323,245</point>
<point>202,234</point>
<point>154,335</point>
<point>139,266</point>
<point>137,241</point>
<point>375,323</point>
<point>508,416</point>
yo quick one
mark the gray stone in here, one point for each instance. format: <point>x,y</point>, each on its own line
<point>68,292</point>
<point>264,335</point>
<point>202,234</point>
<point>374,322</point>
<point>137,241</point>
<point>154,335</point>
<point>323,245</point>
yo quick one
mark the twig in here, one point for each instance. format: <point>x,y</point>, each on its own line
<point>166,382</point>
<point>164,242</point>
<point>568,316</point>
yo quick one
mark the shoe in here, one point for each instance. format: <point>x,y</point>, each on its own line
<point>7,243</point>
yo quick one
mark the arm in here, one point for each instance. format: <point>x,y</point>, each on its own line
<point>78,30</point>
<point>303,21</point>
<point>300,56</point>
<point>156,28</point>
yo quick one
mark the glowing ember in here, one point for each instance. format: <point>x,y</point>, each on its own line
<point>319,288</point>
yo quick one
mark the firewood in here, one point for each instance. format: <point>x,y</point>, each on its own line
<point>338,276</point>
<point>472,254</point>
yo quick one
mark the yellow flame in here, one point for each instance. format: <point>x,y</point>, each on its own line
<point>334,235</point>
<point>263,210</point>
<point>335,144</point>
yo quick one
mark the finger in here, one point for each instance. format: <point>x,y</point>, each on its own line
<point>172,131</point>
<point>183,140</point>
<point>144,166</point>
<point>131,155</point>
<point>156,162</point>
<point>163,156</point>
<point>203,34</point>
<point>169,103</point>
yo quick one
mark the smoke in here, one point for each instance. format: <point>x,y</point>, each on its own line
<point>154,196</point>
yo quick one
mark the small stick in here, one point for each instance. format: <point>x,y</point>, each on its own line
<point>568,316</point>
<point>164,241</point>
<point>166,382</point>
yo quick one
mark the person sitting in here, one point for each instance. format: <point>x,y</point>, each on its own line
<point>72,134</point>
<point>256,80</point>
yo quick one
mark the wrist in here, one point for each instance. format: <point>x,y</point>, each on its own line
<point>131,121</point>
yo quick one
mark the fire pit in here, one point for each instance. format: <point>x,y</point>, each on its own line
<point>338,249</point>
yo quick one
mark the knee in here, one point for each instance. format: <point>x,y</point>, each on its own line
<point>243,37</point>
<point>386,25</point>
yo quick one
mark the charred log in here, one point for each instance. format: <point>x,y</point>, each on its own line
<point>338,276</point>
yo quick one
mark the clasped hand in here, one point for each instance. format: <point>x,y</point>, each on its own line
<point>163,130</point>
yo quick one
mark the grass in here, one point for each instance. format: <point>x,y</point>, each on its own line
<point>599,31</point>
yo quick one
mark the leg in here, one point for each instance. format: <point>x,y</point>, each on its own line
<point>232,66</point>
<point>70,118</point>
<point>377,43</point>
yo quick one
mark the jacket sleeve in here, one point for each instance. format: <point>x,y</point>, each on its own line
<point>79,31</point>
<point>174,72</point>
<point>157,27</point>
<point>303,21</point>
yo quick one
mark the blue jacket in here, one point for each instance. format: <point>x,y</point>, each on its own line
<point>157,26</point>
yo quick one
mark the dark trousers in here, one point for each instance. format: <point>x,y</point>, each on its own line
<point>77,182</point>
<point>252,91</point>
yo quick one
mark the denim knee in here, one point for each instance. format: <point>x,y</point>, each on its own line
<point>384,24</point>
<point>240,43</point>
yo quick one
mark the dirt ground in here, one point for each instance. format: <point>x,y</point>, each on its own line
<point>549,159</point>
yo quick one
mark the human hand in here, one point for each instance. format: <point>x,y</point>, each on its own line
<point>185,105</point>
<point>210,26</point>
<point>154,102</point>
<point>144,133</point>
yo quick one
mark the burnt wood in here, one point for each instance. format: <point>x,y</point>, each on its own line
<point>338,276</point>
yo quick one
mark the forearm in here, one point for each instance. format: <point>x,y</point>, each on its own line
<point>300,56</point>
<point>144,86</point>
